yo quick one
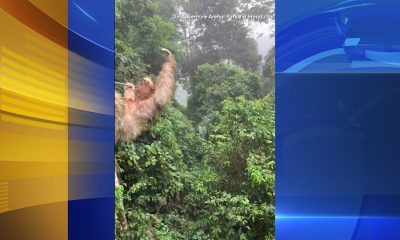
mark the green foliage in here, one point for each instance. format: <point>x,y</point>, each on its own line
<point>213,84</point>
<point>269,64</point>
<point>268,71</point>
<point>155,168</point>
<point>241,133</point>
<point>128,65</point>
<point>141,33</point>
<point>181,186</point>
<point>240,147</point>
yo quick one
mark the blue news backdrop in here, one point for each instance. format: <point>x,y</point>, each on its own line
<point>91,119</point>
<point>337,36</point>
<point>337,119</point>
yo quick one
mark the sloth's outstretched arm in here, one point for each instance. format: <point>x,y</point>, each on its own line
<point>165,82</point>
<point>164,90</point>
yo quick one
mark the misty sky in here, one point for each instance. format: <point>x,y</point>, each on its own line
<point>265,42</point>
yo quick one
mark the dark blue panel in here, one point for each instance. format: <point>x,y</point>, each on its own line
<point>96,225</point>
<point>93,52</point>
<point>91,120</point>
<point>338,158</point>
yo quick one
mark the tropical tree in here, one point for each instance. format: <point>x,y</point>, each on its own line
<point>212,84</point>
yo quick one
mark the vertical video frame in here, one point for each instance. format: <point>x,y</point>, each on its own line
<point>194,119</point>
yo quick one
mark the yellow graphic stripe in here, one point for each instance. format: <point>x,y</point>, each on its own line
<point>28,70</point>
<point>31,80</point>
<point>32,123</point>
<point>3,196</point>
<point>32,63</point>
<point>13,85</point>
<point>34,107</point>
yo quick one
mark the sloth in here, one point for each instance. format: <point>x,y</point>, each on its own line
<point>145,89</point>
<point>142,103</point>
